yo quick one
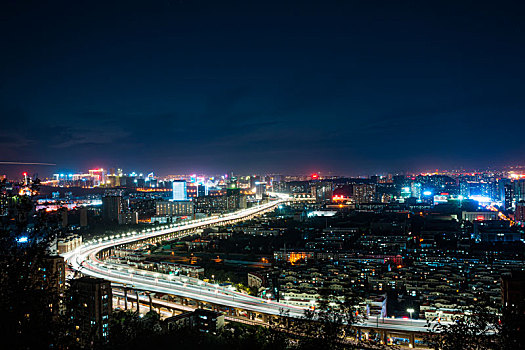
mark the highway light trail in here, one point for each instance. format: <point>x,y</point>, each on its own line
<point>84,259</point>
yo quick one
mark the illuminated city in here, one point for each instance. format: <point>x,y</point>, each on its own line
<point>242,175</point>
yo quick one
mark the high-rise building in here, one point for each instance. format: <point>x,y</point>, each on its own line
<point>364,193</point>
<point>83,216</point>
<point>519,214</point>
<point>322,192</point>
<point>415,190</point>
<point>519,190</point>
<point>260,190</point>
<point>508,196</point>
<point>202,190</point>
<point>91,309</point>
<point>42,278</point>
<point>4,204</point>
<point>54,277</point>
<point>179,191</point>
<point>111,207</point>
<point>63,216</point>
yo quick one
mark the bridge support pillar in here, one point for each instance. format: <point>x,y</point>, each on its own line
<point>125,299</point>
<point>383,336</point>
<point>138,301</point>
<point>412,339</point>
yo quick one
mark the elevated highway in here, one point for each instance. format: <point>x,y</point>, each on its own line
<point>87,260</point>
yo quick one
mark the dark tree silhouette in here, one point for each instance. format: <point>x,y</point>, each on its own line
<point>30,300</point>
<point>481,327</point>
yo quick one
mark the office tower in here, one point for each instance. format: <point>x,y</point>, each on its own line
<point>91,303</point>
<point>179,191</point>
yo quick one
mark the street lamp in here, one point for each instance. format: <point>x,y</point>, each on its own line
<point>410,311</point>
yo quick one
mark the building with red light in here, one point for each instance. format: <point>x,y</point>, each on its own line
<point>479,215</point>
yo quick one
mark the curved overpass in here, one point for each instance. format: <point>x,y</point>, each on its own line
<point>85,259</point>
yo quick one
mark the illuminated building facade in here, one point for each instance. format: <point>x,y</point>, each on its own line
<point>260,190</point>
<point>322,192</point>
<point>179,191</point>
<point>92,307</point>
<point>364,193</point>
<point>520,212</point>
<point>4,204</point>
<point>174,208</point>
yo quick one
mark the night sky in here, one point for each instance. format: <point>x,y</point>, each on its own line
<point>348,87</point>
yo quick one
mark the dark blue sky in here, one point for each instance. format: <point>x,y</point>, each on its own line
<point>350,87</point>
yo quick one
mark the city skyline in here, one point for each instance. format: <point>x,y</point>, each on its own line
<point>48,171</point>
<point>347,88</point>
<point>292,175</point>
